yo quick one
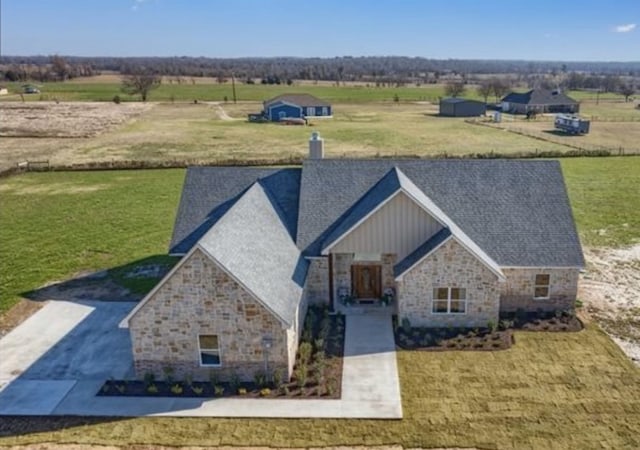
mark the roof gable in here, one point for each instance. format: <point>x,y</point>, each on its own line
<point>209,192</point>
<point>271,269</point>
<point>252,243</point>
<point>516,211</point>
<point>298,99</point>
<point>539,97</point>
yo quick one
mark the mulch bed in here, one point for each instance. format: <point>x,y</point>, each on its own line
<point>444,339</point>
<point>317,373</point>
<point>543,321</point>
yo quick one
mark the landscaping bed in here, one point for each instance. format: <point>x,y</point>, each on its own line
<point>317,372</point>
<point>542,321</point>
<point>442,339</point>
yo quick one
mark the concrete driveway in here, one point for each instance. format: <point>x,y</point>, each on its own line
<point>43,358</point>
<point>55,362</point>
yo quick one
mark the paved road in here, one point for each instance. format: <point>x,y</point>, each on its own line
<point>56,361</point>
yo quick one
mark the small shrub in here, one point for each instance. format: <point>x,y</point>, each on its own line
<point>319,344</point>
<point>198,390</point>
<point>242,391</point>
<point>116,99</point>
<point>506,324</point>
<point>260,378</point>
<point>149,378</point>
<point>406,325</point>
<point>234,381</point>
<point>121,388</point>
<point>305,352</point>
<point>152,388</point>
<point>177,389</point>
<point>265,392</point>
<point>218,390</point>
<point>579,303</point>
<point>277,377</point>
<point>492,326</point>
<point>168,374</point>
<point>301,375</point>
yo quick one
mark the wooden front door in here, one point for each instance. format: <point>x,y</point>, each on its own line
<point>366,281</point>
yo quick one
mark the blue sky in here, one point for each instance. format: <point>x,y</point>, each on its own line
<point>588,30</point>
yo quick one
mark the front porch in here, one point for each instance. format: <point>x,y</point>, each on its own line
<point>362,282</point>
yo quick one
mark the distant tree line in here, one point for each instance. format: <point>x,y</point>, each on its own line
<point>377,70</point>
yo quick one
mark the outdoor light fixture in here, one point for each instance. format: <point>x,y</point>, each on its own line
<point>267,343</point>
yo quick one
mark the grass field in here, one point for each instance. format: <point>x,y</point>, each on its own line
<point>104,88</point>
<point>565,390</point>
<point>196,132</point>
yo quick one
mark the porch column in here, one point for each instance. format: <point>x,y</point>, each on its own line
<point>331,296</point>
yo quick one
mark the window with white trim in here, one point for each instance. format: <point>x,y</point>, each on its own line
<point>541,286</point>
<point>209,347</point>
<point>448,300</point>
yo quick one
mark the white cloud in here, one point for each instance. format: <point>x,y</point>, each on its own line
<point>136,4</point>
<point>625,28</point>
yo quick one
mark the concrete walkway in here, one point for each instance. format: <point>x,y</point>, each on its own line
<point>370,385</point>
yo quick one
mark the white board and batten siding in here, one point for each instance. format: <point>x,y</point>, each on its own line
<point>400,226</point>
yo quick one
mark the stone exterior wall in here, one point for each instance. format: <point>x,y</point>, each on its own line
<point>342,263</point>
<point>317,284</point>
<point>450,266</point>
<point>518,291</point>
<point>200,298</point>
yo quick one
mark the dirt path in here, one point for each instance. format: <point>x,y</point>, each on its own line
<point>222,114</point>
<point>610,290</point>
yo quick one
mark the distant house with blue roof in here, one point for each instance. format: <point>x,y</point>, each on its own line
<point>438,243</point>
<point>296,106</point>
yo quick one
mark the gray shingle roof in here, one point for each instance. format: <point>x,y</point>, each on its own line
<point>539,97</point>
<point>517,212</point>
<point>422,251</point>
<point>209,192</point>
<point>297,99</point>
<point>252,242</point>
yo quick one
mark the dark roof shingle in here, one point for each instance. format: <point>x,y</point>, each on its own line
<point>539,97</point>
<point>297,99</point>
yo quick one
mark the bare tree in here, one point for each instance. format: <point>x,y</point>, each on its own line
<point>140,81</point>
<point>627,90</point>
<point>499,86</point>
<point>484,89</point>
<point>454,88</point>
<point>59,67</point>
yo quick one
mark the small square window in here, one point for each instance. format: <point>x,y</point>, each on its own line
<point>209,350</point>
<point>458,306</point>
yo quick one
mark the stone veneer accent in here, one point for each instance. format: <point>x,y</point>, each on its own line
<point>342,263</point>
<point>200,298</point>
<point>449,266</point>
<point>317,283</point>
<point>518,291</point>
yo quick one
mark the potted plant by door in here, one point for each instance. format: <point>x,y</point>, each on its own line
<point>387,297</point>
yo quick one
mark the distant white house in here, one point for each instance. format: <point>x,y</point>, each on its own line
<point>3,90</point>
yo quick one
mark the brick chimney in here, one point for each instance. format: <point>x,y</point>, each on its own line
<point>316,146</point>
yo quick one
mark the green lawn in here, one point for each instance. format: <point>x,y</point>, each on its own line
<point>88,90</point>
<point>217,92</point>
<point>550,390</point>
<point>605,196</point>
<point>57,224</point>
